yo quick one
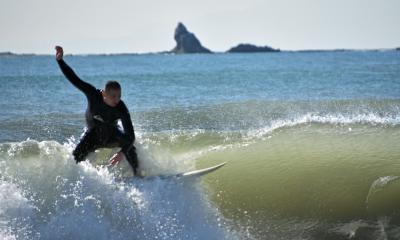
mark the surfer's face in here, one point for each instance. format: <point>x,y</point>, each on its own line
<point>112,97</point>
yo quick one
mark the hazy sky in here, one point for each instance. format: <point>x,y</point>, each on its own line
<point>115,26</point>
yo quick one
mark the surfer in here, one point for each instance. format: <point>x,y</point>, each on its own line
<point>104,109</point>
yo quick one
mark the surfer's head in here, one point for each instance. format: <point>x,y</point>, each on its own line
<point>112,93</point>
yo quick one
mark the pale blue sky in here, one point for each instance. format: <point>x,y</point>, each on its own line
<point>115,26</point>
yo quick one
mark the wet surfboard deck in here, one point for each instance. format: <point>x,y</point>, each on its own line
<point>195,173</point>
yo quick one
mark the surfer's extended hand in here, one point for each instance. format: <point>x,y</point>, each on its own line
<point>59,53</point>
<point>116,158</point>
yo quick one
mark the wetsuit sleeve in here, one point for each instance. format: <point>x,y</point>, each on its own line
<point>128,126</point>
<point>85,87</point>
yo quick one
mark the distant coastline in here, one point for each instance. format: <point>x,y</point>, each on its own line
<point>18,54</point>
<point>9,53</point>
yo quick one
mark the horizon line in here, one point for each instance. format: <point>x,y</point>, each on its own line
<point>8,52</point>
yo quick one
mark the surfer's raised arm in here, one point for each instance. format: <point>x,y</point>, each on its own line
<point>85,87</point>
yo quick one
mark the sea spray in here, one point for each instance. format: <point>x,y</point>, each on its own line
<point>53,198</point>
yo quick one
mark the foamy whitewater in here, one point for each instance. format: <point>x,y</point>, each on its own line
<point>44,195</point>
<point>311,142</point>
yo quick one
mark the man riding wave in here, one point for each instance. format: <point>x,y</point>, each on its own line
<point>104,109</point>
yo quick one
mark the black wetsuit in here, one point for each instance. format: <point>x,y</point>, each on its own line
<point>101,120</point>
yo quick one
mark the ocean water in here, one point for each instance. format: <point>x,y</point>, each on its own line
<point>311,141</point>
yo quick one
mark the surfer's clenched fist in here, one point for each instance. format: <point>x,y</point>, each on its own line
<point>59,52</point>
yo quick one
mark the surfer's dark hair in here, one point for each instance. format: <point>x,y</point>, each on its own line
<point>112,85</point>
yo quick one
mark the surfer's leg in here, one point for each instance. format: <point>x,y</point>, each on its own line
<point>87,144</point>
<point>131,157</point>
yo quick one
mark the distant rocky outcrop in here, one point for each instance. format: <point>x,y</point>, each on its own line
<point>398,49</point>
<point>186,42</point>
<point>6,54</point>
<point>16,54</point>
<point>250,48</point>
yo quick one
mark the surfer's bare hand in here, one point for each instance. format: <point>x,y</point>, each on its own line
<point>59,53</point>
<point>116,158</point>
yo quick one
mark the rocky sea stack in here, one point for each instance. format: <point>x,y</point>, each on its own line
<point>186,42</point>
<point>250,48</point>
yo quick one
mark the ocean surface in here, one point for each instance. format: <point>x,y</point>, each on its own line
<point>311,141</point>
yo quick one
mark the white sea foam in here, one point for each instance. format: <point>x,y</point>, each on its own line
<point>45,195</point>
<point>15,212</point>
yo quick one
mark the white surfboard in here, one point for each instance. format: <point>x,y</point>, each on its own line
<point>195,173</point>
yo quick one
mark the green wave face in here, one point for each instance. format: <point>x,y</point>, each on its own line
<point>316,172</point>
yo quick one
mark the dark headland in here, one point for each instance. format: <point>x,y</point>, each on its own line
<point>250,48</point>
<point>16,54</point>
<point>187,42</point>
<point>7,54</point>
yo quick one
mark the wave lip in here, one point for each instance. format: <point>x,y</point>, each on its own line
<point>368,118</point>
